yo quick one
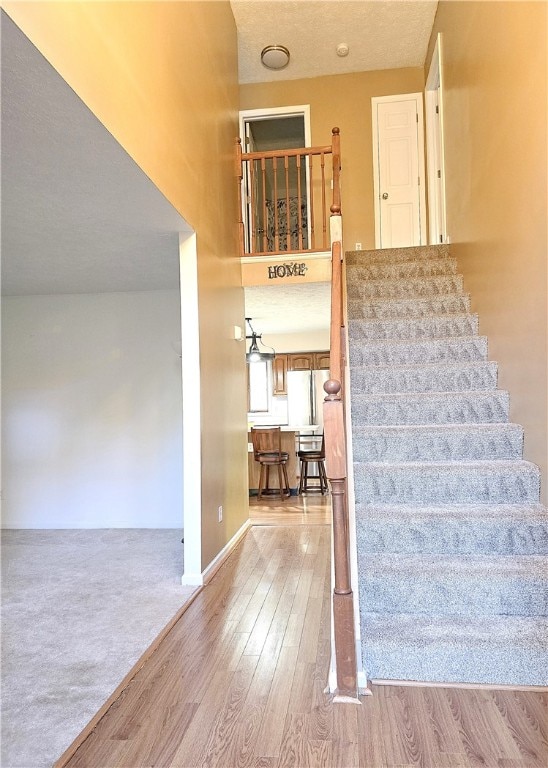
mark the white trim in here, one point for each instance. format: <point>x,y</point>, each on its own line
<point>199,579</point>
<point>375,100</point>
<point>273,113</point>
<point>286,256</point>
<point>435,153</point>
<point>190,374</point>
<point>219,559</point>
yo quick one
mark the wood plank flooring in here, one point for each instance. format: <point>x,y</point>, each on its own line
<point>239,683</point>
<point>312,509</point>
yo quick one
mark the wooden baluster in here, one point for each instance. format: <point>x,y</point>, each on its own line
<point>264,225</point>
<point>275,203</point>
<point>253,234</point>
<point>299,208</point>
<point>324,211</point>
<point>239,177</point>
<point>312,243</point>
<point>287,230</point>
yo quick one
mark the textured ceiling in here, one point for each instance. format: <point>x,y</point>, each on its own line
<point>381,34</point>
<point>289,308</point>
<point>78,215</point>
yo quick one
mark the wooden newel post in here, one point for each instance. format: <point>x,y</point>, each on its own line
<point>343,600</point>
<point>335,458</point>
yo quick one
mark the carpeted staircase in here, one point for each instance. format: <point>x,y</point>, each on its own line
<point>452,542</point>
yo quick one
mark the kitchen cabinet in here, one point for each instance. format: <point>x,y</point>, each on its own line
<point>321,361</point>
<point>301,361</point>
<point>279,375</point>
<point>308,361</point>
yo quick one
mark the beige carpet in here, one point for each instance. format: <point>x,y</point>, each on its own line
<point>78,610</point>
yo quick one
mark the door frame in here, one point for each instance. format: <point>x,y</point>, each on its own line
<point>375,100</point>
<point>273,113</point>
<point>435,154</point>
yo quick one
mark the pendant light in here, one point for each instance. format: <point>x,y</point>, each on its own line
<point>255,355</point>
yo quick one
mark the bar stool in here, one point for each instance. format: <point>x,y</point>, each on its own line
<point>313,457</point>
<point>267,451</point>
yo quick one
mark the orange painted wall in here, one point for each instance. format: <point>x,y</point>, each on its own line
<point>162,78</point>
<point>495,94</point>
<point>343,101</point>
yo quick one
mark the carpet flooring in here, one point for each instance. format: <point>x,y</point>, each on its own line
<point>452,540</point>
<point>79,607</point>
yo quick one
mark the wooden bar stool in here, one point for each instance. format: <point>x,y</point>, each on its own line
<point>313,457</point>
<point>267,451</point>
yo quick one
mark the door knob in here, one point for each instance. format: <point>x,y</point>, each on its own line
<point>385,195</point>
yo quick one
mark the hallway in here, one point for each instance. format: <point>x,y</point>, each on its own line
<point>239,681</point>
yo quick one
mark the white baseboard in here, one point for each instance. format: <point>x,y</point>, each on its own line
<point>198,579</point>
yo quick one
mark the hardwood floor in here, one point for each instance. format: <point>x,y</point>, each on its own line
<point>239,682</point>
<point>310,509</point>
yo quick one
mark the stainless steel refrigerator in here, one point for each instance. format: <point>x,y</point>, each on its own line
<point>305,396</point>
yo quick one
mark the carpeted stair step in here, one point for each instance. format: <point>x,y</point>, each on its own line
<point>454,529</point>
<point>478,482</point>
<point>386,309</point>
<point>406,288</point>
<point>496,650</point>
<point>396,270</point>
<point>464,585</point>
<point>487,407</point>
<point>428,327</point>
<point>438,377</point>
<point>393,255</point>
<point>465,349</point>
<point>447,442</point>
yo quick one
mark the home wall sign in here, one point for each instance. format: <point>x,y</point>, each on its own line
<point>292,269</point>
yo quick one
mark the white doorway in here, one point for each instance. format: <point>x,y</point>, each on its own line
<point>398,164</point>
<point>434,148</point>
<point>264,130</point>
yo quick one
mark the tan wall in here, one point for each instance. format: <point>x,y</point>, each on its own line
<point>162,78</point>
<point>343,101</point>
<point>494,68</point>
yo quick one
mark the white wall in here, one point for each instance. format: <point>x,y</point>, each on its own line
<point>92,413</point>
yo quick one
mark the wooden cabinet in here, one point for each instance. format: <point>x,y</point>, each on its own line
<point>308,361</point>
<point>295,361</point>
<point>301,361</point>
<point>279,378</point>
<point>321,361</point>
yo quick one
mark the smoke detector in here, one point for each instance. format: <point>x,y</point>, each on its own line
<point>342,49</point>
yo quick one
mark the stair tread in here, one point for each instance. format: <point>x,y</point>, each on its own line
<point>498,464</point>
<point>441,365</point>
<point>419,565</point>
<point>431,340</point>
<point>455,511</point>
<point>436,627</point>
<point>401,429</point>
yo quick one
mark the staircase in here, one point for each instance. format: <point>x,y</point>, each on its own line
<point>452,542</point>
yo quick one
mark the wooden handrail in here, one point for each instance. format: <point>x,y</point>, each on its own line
<point>283,188</point>
<point>336,457</point>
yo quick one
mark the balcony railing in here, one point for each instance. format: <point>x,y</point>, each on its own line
<point>284,199</point>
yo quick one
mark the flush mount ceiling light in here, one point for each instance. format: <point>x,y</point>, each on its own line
<point>275,57</point>
<point>255,355</point>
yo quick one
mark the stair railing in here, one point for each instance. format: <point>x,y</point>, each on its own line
<point>336,457</point>
<point>283,203</point>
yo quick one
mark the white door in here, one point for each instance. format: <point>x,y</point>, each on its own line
<point>398,159</point>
